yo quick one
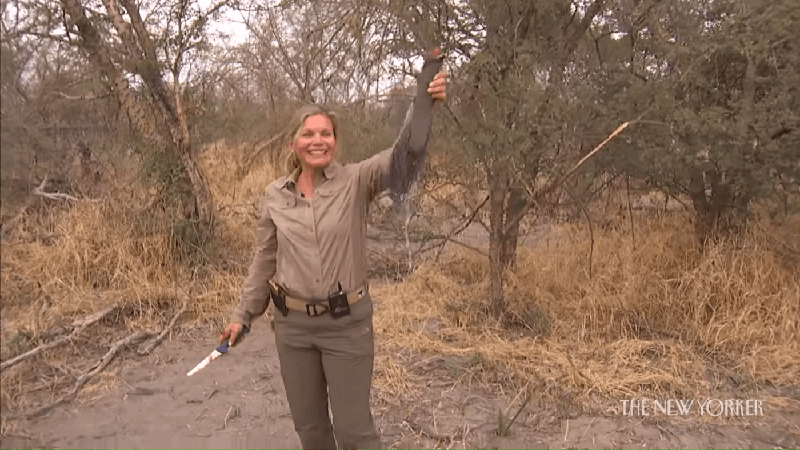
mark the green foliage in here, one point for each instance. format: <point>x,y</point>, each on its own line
<point>721,83</point>
<point>502,424</point>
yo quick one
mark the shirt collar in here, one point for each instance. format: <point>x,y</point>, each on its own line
<point>290,179</point>
<point>328,172</point>
<point>331,170</point>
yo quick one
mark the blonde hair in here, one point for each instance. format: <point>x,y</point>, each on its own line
<point>291,163</point>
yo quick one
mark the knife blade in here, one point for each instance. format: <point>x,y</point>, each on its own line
<point>219,351</point>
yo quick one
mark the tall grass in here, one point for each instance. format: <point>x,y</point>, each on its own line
<point>74,259</point>
<point>660,317</point>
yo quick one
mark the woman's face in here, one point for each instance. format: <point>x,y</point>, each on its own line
<point>315,143</point>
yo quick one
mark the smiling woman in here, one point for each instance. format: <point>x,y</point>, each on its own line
<point>316,142</point>
<point>313,144</point>
<point>310,260</point>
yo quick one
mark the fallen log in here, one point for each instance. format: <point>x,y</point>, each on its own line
<point>58,195</point>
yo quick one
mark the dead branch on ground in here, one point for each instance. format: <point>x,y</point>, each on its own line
<point>233,411</point>
<point>78,328</point>
<point>115,348</point>
<point>152,344</point>
<point>426,431</point>
<point>39,190</point>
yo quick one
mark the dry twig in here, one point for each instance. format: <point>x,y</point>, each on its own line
<point>115,348</point>
<point>39,190</point>
<point>152,344</point>
<point>78,327</point>
<point>233,411</point>
<point>425,430</point>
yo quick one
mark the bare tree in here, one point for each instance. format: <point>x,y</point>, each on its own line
<point>515,101</point>
<point>134,56</point>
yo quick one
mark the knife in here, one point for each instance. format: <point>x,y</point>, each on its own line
<point>219,351</point>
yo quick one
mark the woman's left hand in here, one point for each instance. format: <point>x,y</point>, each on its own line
<point>438,87</point>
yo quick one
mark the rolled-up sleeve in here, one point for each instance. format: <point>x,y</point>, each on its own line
<point>255,291</point>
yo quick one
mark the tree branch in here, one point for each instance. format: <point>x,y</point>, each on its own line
<point>591,12</point>
<point>115,348</point>
<point>78,327</point>
<point>78,97</point>
<point>100,57</point>
<point>532,202</point>
<point>149,67</point>
<point>151,345</point>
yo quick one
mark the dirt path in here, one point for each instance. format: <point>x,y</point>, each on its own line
<point>239,402</point>
<point>155,405</point>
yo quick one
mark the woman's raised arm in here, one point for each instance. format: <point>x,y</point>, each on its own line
<point>396,167</point>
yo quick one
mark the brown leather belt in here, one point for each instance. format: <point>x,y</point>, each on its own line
<point>318,306</point>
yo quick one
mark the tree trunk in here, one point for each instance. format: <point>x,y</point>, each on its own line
<point>497,195</point>
<point>713,200</point>
<point>202,194</point>
<point>179,127</point>
<point>704,220</point>
<point>516,203</point>
<point>143,56</point>
<point>98,55</point>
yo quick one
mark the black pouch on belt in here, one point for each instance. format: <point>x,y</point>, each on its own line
<point>339,306</point>
<point>278,298</point>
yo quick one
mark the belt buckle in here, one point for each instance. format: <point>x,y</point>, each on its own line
<point>313,310</point>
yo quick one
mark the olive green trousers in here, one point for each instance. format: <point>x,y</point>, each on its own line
<point>329,360</point>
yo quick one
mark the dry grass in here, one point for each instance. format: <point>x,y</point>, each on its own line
<point>65,261</point>
<point>661,318</point>
<point>88,255</point>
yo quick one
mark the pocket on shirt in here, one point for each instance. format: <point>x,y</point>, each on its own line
<point>288,201</point>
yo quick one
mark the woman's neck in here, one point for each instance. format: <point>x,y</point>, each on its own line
<point>305,182</point>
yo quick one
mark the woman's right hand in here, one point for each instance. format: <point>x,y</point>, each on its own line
<point>231,332</point>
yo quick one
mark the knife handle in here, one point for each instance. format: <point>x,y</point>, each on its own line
<point>223,348</point>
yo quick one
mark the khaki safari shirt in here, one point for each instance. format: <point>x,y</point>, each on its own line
<point>309,245</point>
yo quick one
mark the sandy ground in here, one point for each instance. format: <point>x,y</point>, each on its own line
<point>155,405</point>
<point>238,402</point>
